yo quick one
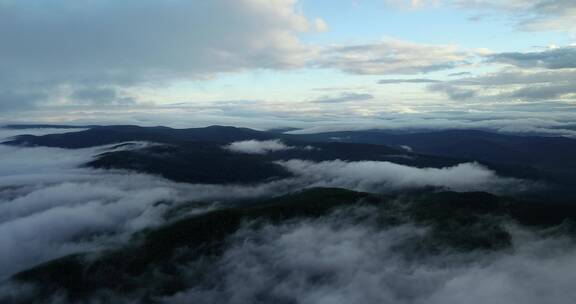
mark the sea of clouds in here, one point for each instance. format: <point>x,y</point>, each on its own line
<point>49,200</point>
<point>51,205</point>
<point>338,260</point>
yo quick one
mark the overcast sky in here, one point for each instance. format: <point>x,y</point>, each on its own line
<point>289,63</point>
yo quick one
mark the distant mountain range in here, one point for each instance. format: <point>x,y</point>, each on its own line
<point>533,157</point>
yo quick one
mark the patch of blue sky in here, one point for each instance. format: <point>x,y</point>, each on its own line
<point>363,21</point>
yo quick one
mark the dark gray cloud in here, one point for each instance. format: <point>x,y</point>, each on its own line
<point>344,97</point>
<point>100,96</point>
<point>412,80</point>
<point>512,84</point>
<point>560,58</point>
<point>460,74</point>
<point>544,92</point>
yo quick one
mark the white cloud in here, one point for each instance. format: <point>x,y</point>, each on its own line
<point>530,15</point>
<point>321,25</point>
<point>392,56</point>
<point>257,147</point>
<point>336,260</point>
<point>374,176</point>
<point>91,51</point>
<point>558,122</point>
<point>407,148</point>
<point>51,205</point>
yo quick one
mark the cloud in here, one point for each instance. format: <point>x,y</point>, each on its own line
<point>100,96</point>
<point>549,118</point>
<point>551,15</point>
<point>513,84</point>
<point>558,58</point>
<point>373,176</point>
<point>528,15</point>
<point>321,25</point>
<point>407,148</point>
<point>544,119</point>
<point>459,74</point>
<point>392,56</point>
<point>49,52</point>
<point>340,259</point>
<point>412,80</point>
<point>412,4</point>
<point>257,147</point>
<point>344,97</point>
<point>465,4</point>
<point>544,92</point>
<point>519,76</point>
<point>455,92</point>
<point>51,205</point>
<point>495,4</point>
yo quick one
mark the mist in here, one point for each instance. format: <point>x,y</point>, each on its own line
<point>374,176</point>
<point>339,259</point>
<point>53,205</point>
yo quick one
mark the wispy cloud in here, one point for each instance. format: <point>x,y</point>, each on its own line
<point>340,259</point>
<point>529,15</point>
<point>411,80</point>
<point>344,97</point>
<point>557,58</point>
<point>392,56</point>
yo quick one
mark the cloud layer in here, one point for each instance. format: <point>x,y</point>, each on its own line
<point>91,51</point>
<point>338,260</point>
<point>51,205</point>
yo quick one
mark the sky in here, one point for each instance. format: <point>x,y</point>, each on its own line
<point>287,63</point>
